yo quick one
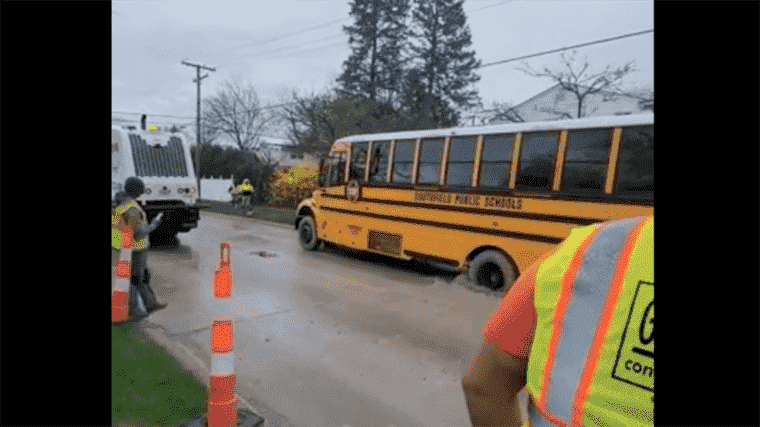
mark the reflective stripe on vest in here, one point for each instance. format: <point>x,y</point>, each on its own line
<point>585,296</point>
<point>536,419</point>
<point>117,224</point>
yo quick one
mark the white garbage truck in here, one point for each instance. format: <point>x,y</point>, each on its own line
<point>162,161</point>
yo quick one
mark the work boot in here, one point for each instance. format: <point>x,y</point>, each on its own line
<point>151,303</point>
<point>136,312</point>
<point>138,317</point>
<point>157,306</point>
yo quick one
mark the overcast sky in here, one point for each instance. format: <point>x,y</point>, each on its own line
<point>280,45</point>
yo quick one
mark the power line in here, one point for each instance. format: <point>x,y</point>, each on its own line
<point>292,34</point>
<point>493,5</point>
<point>566,48</point>
<point>277,53</point>
<point>482,66</point>
<point>157,115</point>
<point>298,45</point>
<point>185,117</point>
<point>303,52</point>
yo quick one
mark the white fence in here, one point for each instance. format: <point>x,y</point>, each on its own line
<point>216,189</point>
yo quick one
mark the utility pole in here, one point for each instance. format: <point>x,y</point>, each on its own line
<point>198,120</point>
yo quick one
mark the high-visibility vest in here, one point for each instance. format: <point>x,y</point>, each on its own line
<point>244,187</point>
<point>592,358</point>
<point>118,223</point>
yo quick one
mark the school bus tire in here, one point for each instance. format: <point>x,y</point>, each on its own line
<point>307,234</point>
<point>492,270</point>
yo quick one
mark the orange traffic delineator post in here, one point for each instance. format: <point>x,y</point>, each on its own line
<point>120,291</point>
<point>222,403</point>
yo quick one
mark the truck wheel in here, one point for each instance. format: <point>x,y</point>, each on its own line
<point>307,234</point>
<point>492,270</point>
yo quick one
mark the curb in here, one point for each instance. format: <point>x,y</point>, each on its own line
<point>282,224</point>
<point>245,418</point>
<point>181,354</point>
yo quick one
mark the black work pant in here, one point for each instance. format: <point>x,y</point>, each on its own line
<point>140,283</point>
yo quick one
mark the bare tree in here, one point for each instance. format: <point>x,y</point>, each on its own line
<point>605,82</point>
<point>503,111</point>
<point>309,128</point>
<point>235,112</point>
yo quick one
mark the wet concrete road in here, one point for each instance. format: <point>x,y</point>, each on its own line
<point>324,338</point>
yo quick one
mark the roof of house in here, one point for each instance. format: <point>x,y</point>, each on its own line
<point>558,86</point>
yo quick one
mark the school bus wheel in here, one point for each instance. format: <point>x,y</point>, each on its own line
<point>307,234</point>
<point>492,270</point>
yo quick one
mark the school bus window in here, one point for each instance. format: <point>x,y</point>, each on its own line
<point>337,171</point>
<point>459,169</point>
<point>430,161</point>
<point>496,160</point>
<point>586,158</point>
<point>358,161</point>
<point>378,167</point>
<point>537,161</point>
<point>635,171</point>
<point>402,163</point>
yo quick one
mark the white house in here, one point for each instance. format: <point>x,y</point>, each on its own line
<point>274,148</point>
<point>557,103</point>
<point>280,154</point>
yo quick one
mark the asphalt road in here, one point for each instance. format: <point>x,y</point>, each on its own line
<point>322,338</point>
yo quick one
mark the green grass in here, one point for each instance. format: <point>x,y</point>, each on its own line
<point>149,387</point>
<point>262,212</point>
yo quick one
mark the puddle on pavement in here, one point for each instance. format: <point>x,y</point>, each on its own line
<point>264,254</point>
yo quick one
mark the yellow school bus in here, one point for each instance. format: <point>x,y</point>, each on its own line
<point>489,200</point>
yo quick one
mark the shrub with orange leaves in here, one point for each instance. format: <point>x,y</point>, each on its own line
<point>288,186</point>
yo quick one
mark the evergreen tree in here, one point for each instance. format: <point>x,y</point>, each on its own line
<point>445,65</point>
<point>422,110</point>
<point>374,68</point>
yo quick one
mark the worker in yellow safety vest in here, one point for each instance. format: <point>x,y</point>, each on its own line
<point>245,190</point>
<point>577,331</point>
<point>128,213</point>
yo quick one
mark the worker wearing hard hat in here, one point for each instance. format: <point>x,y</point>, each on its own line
<point>245,190</point>
<point>128,213</point>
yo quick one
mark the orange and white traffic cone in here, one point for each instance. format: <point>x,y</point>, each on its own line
<point>120,291</point>
<point>222,404</point>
